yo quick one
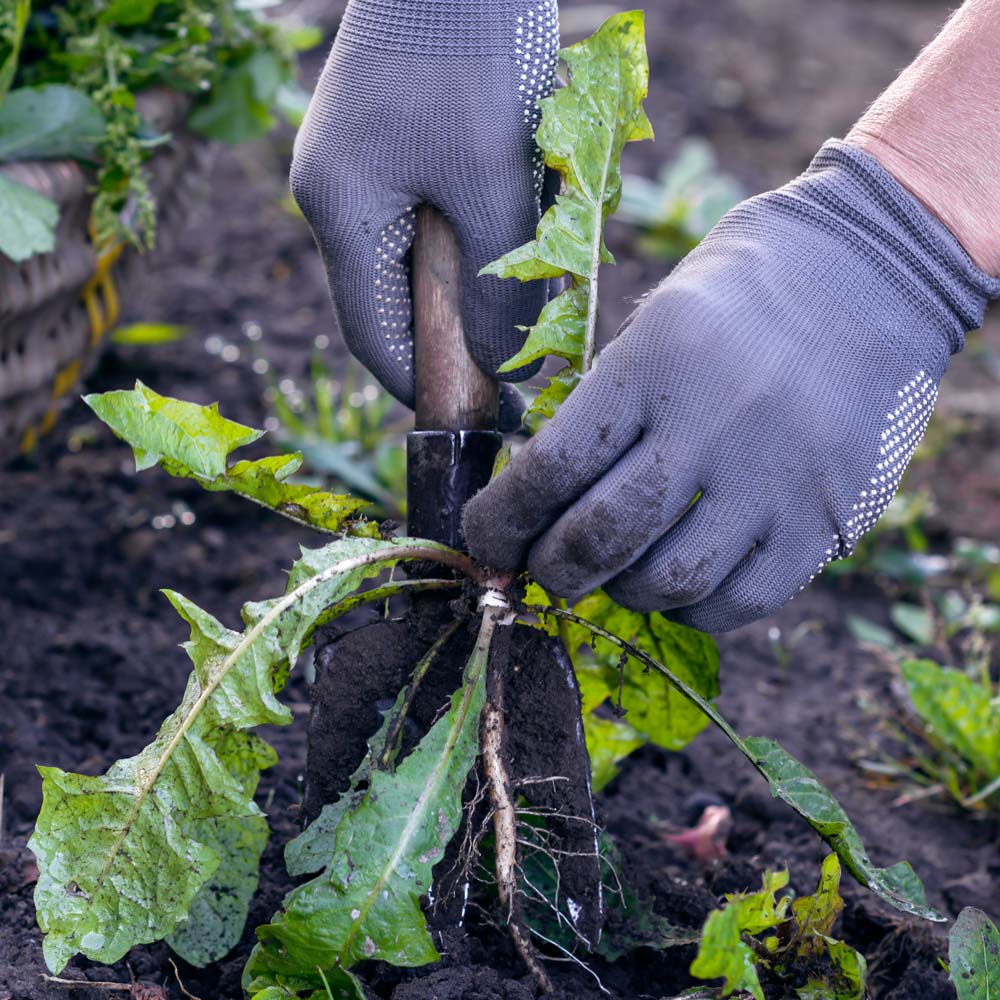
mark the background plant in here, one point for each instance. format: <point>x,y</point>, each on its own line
<point>942,628</point>
<point>70,71</point>
<point>681,207</point>
<point>785,939</point>
<point>340,425</point>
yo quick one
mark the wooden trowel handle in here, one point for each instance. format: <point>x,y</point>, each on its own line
<point>449,457</point>
<point>453,394</point>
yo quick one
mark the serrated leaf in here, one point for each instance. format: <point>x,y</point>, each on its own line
<point>119,858</point>
<point>157,427</point>
<point>194,442</point>
<point>49,122</point>
<point>560,331</point>
<point>837,971</point>
<point>815,915</point>
<point>366,904</point>
<point>312,849</point>
<point>263,481</point>
<point>218,913</point>
<point>846,981</point>
<point>960,711</point>
<point>545,404</point>
<point>585,127</point>
<point>722,953</point>
<point>27,221</point>
<point>974,956</point>
<point>796,785</point>
<point>655,708</point>
<point>760,911</point>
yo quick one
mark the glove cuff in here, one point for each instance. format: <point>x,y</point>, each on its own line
<point>452,27</point>
<point>910,242</point>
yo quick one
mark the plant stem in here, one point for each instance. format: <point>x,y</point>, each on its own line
<point>672,679</point>
<point>383,593</point>
<point>562,627</point>
<point>590,340</point>
<point>419,673</point>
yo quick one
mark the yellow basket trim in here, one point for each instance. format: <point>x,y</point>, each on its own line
<point>28,440</point>
<point>65,379</point>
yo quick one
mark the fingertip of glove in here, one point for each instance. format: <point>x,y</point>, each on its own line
<point>512,407</point>
<point>486,528</point>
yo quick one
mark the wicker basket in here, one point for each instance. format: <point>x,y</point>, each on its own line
<point>56,309</point>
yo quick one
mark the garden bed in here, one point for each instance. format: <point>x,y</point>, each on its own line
<point>91,663</point>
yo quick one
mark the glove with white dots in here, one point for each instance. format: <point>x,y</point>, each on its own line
<point>755,417</point>
<point>436,102</point>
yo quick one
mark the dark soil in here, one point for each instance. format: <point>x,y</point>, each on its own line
<point>91,665</point>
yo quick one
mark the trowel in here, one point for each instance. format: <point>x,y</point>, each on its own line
<point>450,457</point>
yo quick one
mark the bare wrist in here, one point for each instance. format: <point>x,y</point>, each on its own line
<point>949,191</point>
<point>937,130</point>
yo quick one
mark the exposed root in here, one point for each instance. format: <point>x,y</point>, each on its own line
<point>505,832</point>
<point>570,957</point>
<point>538,840</point>
<point>475,825</point>
<point>180,983</point>
<point>76,984</point>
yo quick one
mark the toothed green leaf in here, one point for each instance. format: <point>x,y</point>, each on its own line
<point>585,127</point>
<point>197,437</point>
<point>794,783</point>
<point>560,331</point>
<point>218,913</point>
<point>194,442</point>
<point>122,857</point>
<point>723,953</point>
<point>549,400</point>
<point>312,849</point>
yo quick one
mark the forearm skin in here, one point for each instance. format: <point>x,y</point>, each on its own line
<point>937,129</point>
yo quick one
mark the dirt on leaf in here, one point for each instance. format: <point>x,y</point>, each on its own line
<point>91,664</point>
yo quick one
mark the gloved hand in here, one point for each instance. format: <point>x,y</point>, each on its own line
<point>428,101</point>
<point>783,375</point>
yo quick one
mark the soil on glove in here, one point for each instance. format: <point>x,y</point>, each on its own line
<point>91,664</point>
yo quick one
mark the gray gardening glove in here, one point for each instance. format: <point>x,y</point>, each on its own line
<point>428,101</point>
<point>783,375</point>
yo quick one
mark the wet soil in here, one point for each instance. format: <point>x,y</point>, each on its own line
<point>91,664</point>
